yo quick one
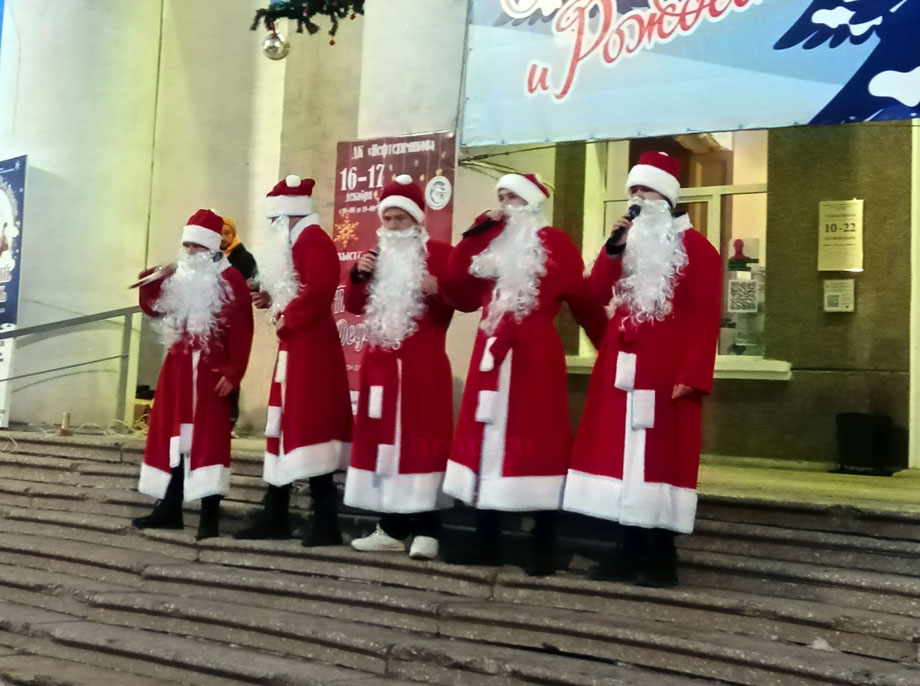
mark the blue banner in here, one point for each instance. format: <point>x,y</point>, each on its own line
<point>12,194</point>
<point>556,70</point>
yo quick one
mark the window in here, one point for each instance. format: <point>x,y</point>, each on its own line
<point>724,192</point>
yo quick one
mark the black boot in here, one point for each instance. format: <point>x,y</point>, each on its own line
<point>324,524</point>
<point>623,565</point>
<point>486,550</point>
<point>209,519</point>
<point>272,521</point>
<point>658,568</point>
<point>543,554</point>
<point>167,513</point>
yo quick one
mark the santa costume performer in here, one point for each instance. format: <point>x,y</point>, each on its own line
<point>512,442</point>
<point>204,315</point>
<point>637,451</point>
<point>308,431</point>
<point>405,416</point>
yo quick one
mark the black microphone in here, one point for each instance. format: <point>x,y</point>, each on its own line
<point>358,276</point>
<point>612,246</point>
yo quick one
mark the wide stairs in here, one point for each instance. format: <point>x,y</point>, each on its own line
<point>772,594</point>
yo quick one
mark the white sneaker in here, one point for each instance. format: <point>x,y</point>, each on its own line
<point>424,548</point>
<point>379,542</point>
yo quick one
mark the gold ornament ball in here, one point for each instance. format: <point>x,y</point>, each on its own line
<point>275,46</point>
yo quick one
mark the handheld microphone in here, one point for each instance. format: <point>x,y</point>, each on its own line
<point>613,246</point>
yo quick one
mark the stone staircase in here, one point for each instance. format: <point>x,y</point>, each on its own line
<point>771,595</point>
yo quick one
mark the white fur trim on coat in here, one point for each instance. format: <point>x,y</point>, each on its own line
<point>626,371</point>
<point>404,493</point>
<point>204,481</point>
<point>520,493</point>
<point>649,505</point>
<point>153,481</point>
<point>485,406</point>
<point>273,422</point>
<point>304,462</point>
<point>460,482</point>
<point>375,402</point>
<point>487,363</point>
<point>643,409</point>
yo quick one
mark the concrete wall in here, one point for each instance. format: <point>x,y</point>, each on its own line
<point>78,81</point>
<point>855,362</point>
<point>218,145</point>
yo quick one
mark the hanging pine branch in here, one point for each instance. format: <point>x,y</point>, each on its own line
<point>303,11</point>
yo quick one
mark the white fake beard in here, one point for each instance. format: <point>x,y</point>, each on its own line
<point>191,301</point>
<point>395,301</point>
<point>277,274</point>
<point>653,261</point>
<point>516,259</point>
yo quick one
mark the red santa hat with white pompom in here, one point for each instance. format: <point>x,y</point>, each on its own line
<point>204,228</point>
<point>405,195</point>
<point>527,186</point>
<point>658,171</point>
<point>291,197</point>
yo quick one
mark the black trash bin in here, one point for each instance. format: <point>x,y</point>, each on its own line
<point>862,443</point>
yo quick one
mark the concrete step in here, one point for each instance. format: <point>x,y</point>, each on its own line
<point>842,587</point>
<point>850,629</point>
<point>125,537</point>
<point>112,449</point>
<point>196,661</point>
<point>400,608</point>
<point>40,670</point>
<point>31,469</point>
<point>820,548</point>
<point>159,655</point>
<point>846,629</point>
<point>340,642</point>
<point>103,563</point>
<point>39,468</point>
<point>517,624</point>
<point>690,650</point>
<point>815,517</point>
<point>609,638</point>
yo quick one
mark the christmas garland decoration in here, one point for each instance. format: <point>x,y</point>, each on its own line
<point>303,10</point>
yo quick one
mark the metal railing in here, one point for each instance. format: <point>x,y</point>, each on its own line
<point>128,341</point>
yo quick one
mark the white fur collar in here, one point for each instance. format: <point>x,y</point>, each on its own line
<point>682,223</point>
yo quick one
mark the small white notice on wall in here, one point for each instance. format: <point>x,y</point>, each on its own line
<point>839,295</point>
<point>840,235</point>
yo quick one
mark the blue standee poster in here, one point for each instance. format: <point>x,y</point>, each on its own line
<point>12,193</point>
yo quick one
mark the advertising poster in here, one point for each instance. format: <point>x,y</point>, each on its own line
<point>12,195</point>
<point>363,168</point>
<point>561,70</point>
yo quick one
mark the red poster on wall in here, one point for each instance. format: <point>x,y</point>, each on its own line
<point>363,168</point>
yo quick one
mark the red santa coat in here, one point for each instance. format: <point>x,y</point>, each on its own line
<point>308,431</point>
<point>405,410</point>
<point>512,441</point>
<point>637,452</point>
<point>188,417</point>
